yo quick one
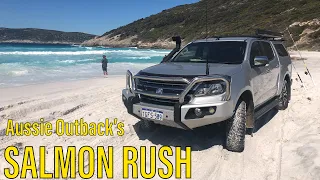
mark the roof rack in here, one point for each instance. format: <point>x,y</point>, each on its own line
<point>261,34</point>
<point>234,36</point>
<point>268,34</point>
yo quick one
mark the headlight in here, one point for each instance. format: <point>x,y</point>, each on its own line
<point>209,89</point>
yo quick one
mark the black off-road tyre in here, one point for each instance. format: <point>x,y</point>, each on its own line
<point>147,126</point>
<point>236,129</point>
<point>284,96</point>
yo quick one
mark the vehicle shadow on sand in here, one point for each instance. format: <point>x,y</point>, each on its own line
<point>199,139</point>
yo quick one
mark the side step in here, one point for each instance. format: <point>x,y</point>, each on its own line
<point>263,109</point>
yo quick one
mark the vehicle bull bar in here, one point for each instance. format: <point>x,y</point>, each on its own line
<point>130,85</point>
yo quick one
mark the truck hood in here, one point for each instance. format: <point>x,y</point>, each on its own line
<point>192,69</point>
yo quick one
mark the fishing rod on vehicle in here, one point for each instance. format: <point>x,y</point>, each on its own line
<point>294,44</point>
<point>295,69</point>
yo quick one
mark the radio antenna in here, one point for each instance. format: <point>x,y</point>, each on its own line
<point>207,62</point>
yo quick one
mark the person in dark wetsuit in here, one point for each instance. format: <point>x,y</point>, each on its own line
<point>104,63</point>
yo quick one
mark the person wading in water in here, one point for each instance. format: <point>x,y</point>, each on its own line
<point>104,63</point>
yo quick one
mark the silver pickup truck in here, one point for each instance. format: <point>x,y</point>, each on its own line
<point>233,79</point>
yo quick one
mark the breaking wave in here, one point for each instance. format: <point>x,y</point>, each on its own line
<point>147,57</point>
<point>19,73</point>
<point>98,52</point>
<point>25,64</point>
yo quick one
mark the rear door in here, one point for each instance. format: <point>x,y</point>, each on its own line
<point>284,61</point>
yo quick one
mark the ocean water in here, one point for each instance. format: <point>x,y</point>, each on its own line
<point>22,64</point>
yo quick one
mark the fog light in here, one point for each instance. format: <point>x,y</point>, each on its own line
<point>198,112</point>
<point>212,110</point>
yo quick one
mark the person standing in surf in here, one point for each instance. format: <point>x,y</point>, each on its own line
<point>104,63</point>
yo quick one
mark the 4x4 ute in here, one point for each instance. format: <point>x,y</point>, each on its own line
<point>233,79</point>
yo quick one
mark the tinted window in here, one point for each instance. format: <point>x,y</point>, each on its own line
<point>255,51</point>
<point>281,50</point>
<point>216,52</point>
<point>267,50</point>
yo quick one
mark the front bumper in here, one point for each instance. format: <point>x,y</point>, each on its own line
<point>175,116</point>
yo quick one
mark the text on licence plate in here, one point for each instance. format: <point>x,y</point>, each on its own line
<point>152,114</point>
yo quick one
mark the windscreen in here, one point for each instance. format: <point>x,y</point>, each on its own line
<point>225,52</point>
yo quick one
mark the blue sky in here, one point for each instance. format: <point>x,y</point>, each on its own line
<point>91,16</point>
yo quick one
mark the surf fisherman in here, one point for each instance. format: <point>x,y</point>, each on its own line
<point>104,63</point>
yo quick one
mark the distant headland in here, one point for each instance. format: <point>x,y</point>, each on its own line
<point>42,36</point>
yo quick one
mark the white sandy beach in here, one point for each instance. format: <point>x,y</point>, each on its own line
<point>285,146</point>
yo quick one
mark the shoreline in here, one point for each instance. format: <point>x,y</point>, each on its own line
<point>294,56</point>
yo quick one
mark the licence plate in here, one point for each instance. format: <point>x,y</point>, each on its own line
<point>152,114</point>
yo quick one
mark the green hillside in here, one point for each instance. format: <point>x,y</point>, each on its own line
<point>225,17</point>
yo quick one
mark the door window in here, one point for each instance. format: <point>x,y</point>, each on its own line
<point>267,50</point>
<point>281,50</point>
<point>255,51</point>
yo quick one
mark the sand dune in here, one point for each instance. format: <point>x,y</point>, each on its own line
<point>285,145</point>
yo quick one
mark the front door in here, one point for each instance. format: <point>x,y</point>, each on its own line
<point>259,75</point>
<point>273,70</point>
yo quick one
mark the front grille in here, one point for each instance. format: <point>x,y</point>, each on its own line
<point>157,101</point>
<point>167,87</point>
<point>161,88</point>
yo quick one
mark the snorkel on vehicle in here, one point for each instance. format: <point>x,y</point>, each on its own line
<point>177,39</point>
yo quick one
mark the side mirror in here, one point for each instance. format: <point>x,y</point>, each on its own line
<point>261,60</point>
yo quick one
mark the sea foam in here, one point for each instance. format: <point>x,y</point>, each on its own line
<point>97,52</point>
<point>27,64</point>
